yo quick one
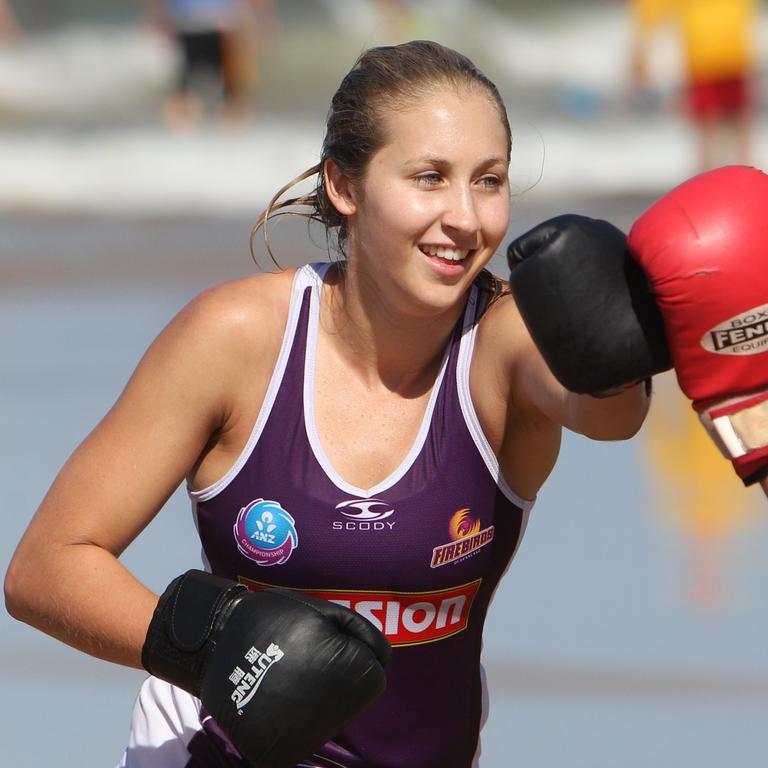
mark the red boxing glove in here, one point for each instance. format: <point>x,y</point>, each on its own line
<point>704,248</point>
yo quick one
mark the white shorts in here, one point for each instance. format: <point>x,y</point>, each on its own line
<point>164,721</point>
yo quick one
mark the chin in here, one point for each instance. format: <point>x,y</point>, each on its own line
<point>441,298</point>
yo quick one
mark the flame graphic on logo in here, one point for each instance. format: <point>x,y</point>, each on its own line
<point>462,524</point>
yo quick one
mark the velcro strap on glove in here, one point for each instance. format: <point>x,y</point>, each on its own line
<point>183,625</point>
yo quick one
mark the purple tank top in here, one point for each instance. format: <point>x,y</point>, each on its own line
<point>419,555</point>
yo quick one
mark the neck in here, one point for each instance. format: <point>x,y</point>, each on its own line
<point>384,345</point>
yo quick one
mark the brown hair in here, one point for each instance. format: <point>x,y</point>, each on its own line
<point>382,78</point>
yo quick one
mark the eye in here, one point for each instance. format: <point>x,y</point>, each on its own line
<point>431,179</point>
<point>490,182</point>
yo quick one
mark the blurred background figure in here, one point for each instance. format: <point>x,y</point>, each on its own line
<point>397,20</point>
<point>9,26</point>
<point>218,43</point>
<point>380,22</point>
<point>717,48</point>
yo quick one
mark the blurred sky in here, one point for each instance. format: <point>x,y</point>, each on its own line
<point>630,630</point>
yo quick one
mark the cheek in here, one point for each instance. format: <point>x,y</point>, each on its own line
<point>496,219</point>
<point>403,213</point>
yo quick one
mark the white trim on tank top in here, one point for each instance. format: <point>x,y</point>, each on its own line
<point>463,365</point>
<point>311,422</point>
<point>305,276</point>
<point>485,700</point>
<point>313,275</point>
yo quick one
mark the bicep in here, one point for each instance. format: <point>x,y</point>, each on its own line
<point>533,393</point>
<point>518,418</point>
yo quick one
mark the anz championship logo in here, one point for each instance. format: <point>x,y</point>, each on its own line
<point>265,532</point>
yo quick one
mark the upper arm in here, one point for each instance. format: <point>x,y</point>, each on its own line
<point>535,396</point>
<point>525,383</point>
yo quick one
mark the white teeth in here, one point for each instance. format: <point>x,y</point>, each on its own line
<point>450,254</point>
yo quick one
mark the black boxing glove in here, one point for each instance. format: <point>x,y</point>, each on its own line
<point>587,305</point>
<point>279,671</point>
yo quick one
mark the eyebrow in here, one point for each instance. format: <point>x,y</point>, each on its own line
<point>438,160</point>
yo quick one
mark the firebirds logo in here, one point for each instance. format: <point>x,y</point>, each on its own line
<point>467,539</point>
<point>405,618</point>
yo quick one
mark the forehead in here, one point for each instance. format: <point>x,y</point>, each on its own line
<point>445,120</point>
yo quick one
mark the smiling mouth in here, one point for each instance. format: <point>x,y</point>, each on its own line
<point>443,252</point>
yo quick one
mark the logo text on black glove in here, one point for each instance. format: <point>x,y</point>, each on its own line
<point>248,680</point>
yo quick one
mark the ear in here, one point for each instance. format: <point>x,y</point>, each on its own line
<point>339,188</point>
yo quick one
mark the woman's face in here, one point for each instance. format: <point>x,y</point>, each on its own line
<point>433,205</point>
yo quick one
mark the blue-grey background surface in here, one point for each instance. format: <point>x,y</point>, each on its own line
<point>599,653</point>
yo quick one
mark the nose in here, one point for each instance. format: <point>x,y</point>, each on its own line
<point>460,216</point>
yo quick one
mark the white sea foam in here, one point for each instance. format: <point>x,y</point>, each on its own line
<point>69,72</point>
<point>145,170</point>
<point>148,169</point>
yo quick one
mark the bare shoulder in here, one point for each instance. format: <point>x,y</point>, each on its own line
<point>501,341</point>
<point>238,319</point>
<point>258,301</point>
<point>508,355</point>
<point>501,337</point>
<point>228,332</point>
<point>503,375</point>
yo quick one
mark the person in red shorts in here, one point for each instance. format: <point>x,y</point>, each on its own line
<point>718,57</point>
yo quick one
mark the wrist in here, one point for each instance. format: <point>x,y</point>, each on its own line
<point>622,388</point>
<point>739,428</point>
<point>185,625</point>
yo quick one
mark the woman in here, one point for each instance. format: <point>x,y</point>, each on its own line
<point>372,431</point>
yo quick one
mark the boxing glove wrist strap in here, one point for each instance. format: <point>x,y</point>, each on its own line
<point>185,625</point>
<point>739,428</point>
<point>620,390</point>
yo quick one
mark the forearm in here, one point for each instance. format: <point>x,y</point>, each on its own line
<point>617,417</point>
<point>82,595</point>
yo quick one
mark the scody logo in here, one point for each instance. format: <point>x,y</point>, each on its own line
<point>744,334</point>
<point>247,682</point>
<point>364,515</point>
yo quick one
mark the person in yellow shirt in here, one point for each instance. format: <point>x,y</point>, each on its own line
<point>719,59</point>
